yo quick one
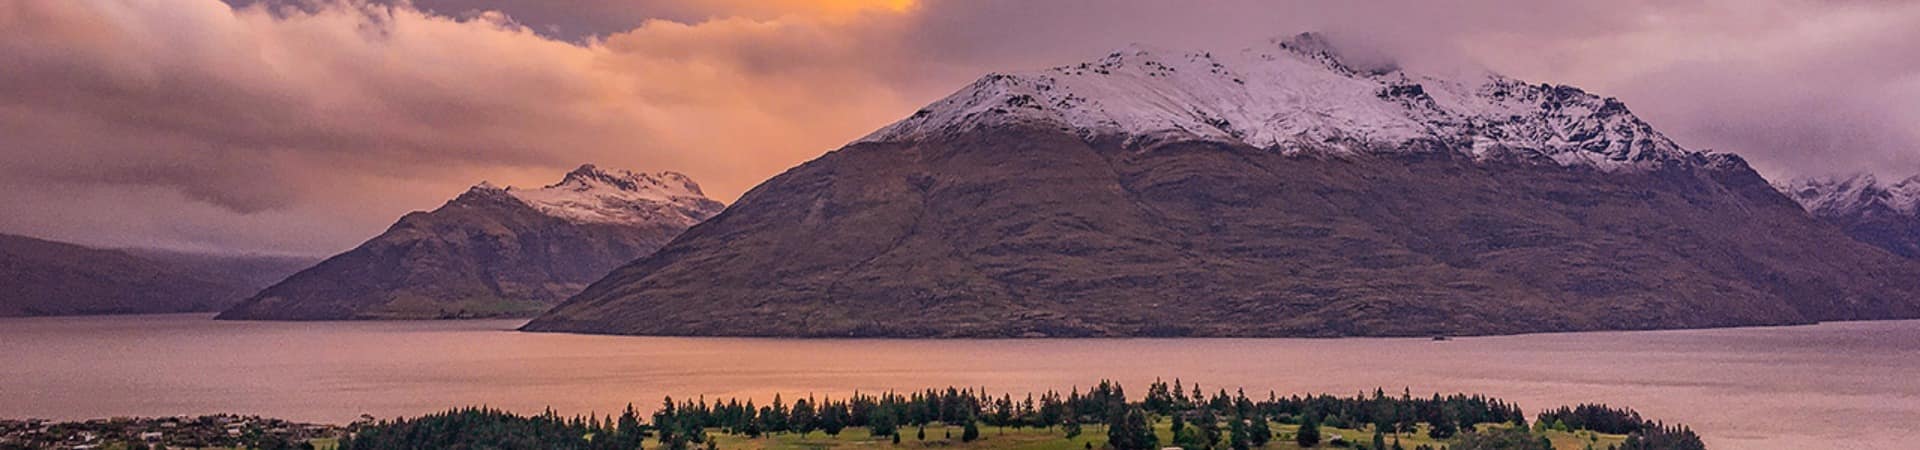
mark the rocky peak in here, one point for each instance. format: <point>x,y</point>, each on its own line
<point>589,176</point>
<point>590,194</point>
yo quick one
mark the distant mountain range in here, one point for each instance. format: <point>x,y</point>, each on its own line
<point>1886,215</point>
<point>53,278</point>
<point>1280,190</point>
<point>492,251</point>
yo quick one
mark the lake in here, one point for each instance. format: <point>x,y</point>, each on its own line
<point>1835,385</point>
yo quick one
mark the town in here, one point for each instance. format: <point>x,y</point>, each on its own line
<point>217,431</point>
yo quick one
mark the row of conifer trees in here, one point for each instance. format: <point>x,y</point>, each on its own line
<point>1200,420</point>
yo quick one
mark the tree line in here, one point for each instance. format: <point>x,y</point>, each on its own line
<point>1199,419</point>
<point>1641,433</point>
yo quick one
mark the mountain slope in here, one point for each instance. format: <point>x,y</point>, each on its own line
<point>1883,215</point>
<point>492,251</point>
<point>1283,191</point>
<point>42,278</point>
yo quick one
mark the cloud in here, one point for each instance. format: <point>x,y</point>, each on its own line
<point>202,124</point>
<point>1823,90</point>
<point>353,113</point>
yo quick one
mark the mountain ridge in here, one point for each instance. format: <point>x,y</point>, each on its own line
<point>492,251</point>
<point>1885,215</point>
<point>1299,95</point>
<point>46,278</point>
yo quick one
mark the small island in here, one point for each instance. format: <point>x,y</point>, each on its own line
<point>1169,415</point>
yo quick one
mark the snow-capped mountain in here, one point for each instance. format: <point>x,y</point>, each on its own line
<point>493,251</point>
<point>1853,195</point>
<point>1301,95</point>
<point>1283,190</point>
<point>1886,215</point>
<point>590,194</point>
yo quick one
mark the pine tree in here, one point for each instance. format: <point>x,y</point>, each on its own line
<point>1242,440</point>
<point>804,419</point>
<point>1379,439</point>
<point>922,434</point>
<point>832,418</point>
<point>971,432</point>
<point>1309,434</point>
<point>1129,430</point>
<point>627,433</point>
<point>882,422</point>
<point>749,420</point>
<point>1260,431</point>
<point>775,416</point>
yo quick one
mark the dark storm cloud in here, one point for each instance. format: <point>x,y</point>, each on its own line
<point>305,125</point>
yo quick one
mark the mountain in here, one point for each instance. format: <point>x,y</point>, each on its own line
<point>492,251</point>
<point>1884,215</point>
<point>1282,190</point>
<point>47,278</point>
<point>252,272</point>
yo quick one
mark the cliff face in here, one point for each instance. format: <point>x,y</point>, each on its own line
<point>492,252</point>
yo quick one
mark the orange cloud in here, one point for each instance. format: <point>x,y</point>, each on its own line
<point>357,113</point>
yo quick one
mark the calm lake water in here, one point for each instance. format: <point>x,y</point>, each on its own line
<point>1839,385</point>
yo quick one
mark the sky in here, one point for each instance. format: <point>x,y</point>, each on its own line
<point>307,126</point>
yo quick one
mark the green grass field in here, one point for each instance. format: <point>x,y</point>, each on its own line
<point>1093,436</point>
<point>1055,439</point>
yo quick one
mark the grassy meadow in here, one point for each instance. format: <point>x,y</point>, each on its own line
<point>1092,436</point>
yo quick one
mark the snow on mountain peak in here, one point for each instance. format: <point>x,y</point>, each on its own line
<point>590,194</point>
<point>589,177</point>
<point>1301,94</point>
<point>1855,194</point>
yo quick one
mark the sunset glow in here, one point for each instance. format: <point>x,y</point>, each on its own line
<point>959,224</point>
